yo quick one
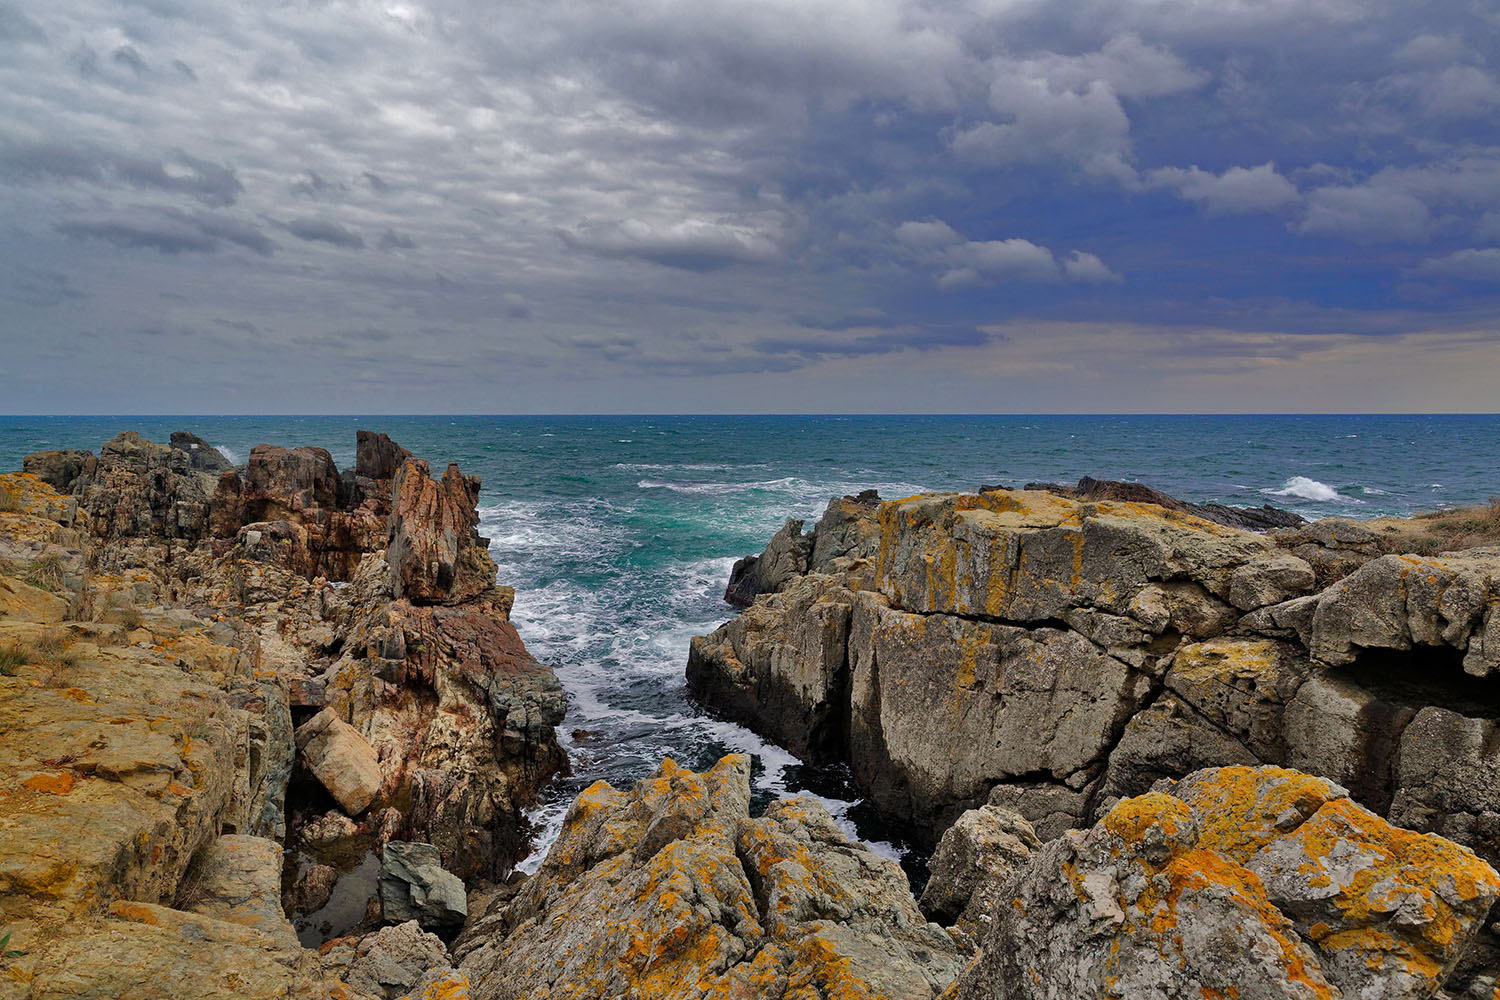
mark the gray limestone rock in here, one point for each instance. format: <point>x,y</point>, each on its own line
<point>391,962</point>
<point>977,855</point>
<point>415,886</point>
<point>340,758</point>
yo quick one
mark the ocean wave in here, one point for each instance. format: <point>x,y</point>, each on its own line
<point>229,456</point>
<point>1310,489</point>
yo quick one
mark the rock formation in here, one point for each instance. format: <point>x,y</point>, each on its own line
<point>163,622</point>
<point>672,890</point>
<point>1244,882</point>
<point>1053,657</point>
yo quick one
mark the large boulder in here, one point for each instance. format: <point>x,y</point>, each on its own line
<point>58,469</point>
<point>340,758</point>
<point>1248,882</point>
<point>415,886</point>
<point>703,900</point>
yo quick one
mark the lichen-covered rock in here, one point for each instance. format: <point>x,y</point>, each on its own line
<point>1236,881</point>
<point>1388,911</point>
<point>705,902</point>
<point>238,879</point>
<point>983,850</point>
<point>341,759</point>
<point>1133,908</point>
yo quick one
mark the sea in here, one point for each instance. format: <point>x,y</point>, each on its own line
<point>618,532</point>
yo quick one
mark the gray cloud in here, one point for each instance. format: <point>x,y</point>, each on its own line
<point>757,196</point>
<point>324,231</point>
<point>168,230</point>
<point>177,173</point>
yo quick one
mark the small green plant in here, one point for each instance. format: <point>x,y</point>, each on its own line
<point>13,657</point>
<point>47,572</point>
<point>6,950</point>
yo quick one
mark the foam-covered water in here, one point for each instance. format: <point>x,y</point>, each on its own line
<point>618,532</point>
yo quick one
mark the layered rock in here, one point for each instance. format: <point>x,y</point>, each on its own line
<point>1053,656</point>
<point>702,900</point>
<point>1246,882</point>
<point>192,602</point>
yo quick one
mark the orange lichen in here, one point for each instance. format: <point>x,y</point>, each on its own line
<point>52,784</point>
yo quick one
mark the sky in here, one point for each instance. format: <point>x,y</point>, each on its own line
<point>406,206</point>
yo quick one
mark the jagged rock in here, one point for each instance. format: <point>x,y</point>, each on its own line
<point>782,663</point>
<point>376,456</point>
<point>202,456</point>
<point>1447,779</point>
<point>786,557</point>
<point>1249,882</point>
<point>1334,547</point>
<point>704,900</point>
<point>340,758</point>
<point>393,961</point>
<point>58,469</point>
<point>977,856</point>
<point>435,553</point>
<point>415,886</point>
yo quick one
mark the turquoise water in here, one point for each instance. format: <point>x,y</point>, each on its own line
<point>618,532</point>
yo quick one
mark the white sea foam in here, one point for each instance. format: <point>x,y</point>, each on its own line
<point>230,456</point>
<point>1310,489</point>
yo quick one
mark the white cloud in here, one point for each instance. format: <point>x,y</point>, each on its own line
<point>691,244</point>
<point>1366,214</point>
<point>932,233</point>
<point>1236,190</point>
<point>1087,267</point>
<point>1464,265</point>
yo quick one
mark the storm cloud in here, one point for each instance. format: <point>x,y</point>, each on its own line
<point>778,204</point>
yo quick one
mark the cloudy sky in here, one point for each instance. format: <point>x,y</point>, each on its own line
<point>749,205</point>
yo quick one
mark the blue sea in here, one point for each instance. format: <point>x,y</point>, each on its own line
<point>618,532</point>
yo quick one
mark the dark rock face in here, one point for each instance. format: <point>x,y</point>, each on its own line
<point>58,469</point>
<point>376,456</point>
<point>202,456</point>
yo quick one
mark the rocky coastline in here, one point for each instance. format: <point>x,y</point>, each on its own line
<point>269,732</point>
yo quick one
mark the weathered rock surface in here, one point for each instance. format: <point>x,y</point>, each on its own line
<point>703,901</point>
<point>1247,882</point>
<point>174,613</point>
<point>393,961</point>
<point>978,855</point>
<point>341,759</point>
<point>435,552</point>
<point>414,886</point>
<point>1247,518</point>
